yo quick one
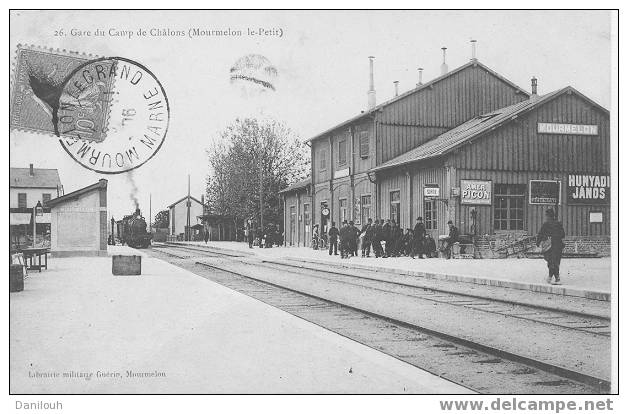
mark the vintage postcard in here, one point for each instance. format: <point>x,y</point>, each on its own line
<point>314,202</point>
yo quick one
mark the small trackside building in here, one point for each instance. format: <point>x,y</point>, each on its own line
<point>343,158</point>
<point>79,222</point>
<point>494,175</point>
<point>297,210</point>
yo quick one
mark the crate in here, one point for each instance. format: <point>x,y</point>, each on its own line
<point>16,278</point>
<point>122,265</point>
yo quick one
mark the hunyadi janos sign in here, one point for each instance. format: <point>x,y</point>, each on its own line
<point>588,189</point>
<point>476,192</point>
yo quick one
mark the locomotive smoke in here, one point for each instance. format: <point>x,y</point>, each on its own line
<point>134,190</point>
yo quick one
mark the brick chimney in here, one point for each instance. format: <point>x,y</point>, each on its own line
<point>31,171</point>
<point>396,83</point>
<point>473,44</point>
<point>371,91</point>
<point>534,88</point>
<point>420,77</point>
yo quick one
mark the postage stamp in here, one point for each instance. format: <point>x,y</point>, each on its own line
<point>38,93</point>
<point>110,115</point>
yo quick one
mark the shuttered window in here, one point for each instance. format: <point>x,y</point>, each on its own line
<point>322,156</point>
<point>342,152</point>
<point>21,200</point>
<point>364,144</point>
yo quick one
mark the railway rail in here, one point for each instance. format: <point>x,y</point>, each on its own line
<point>477,366</point>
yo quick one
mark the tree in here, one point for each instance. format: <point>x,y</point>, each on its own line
<point>162,220</point>
<point>251,161</point>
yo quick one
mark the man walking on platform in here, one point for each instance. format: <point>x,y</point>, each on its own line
<point>551,235</point>
<point>333,239</point>
<point>377,238</point>
<point>419,236</point>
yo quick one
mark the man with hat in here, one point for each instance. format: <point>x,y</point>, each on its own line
<point>454,236</point>
<point>332,233</point>
<point>552,232</point>
<point>419,236</point>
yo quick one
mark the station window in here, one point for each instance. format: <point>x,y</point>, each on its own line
<point>395,210</point>
<point>365,212</point>
<point>509,202</point>
<point>306,214</point>
<point>21,200</point>
<point>342,210</point>
<point>364,144</point>
<point>322,160</point>
<point>45,197</point>
<point>342,152</point>
<point>429,209</point>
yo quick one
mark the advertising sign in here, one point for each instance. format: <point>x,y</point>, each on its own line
<point>544,192</point>
<point>476,192</point>
<point>431,191</point>
<point>566,129</point>
<point>588,189</point>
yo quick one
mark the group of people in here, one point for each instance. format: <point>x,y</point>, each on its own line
<point>263,238</point>
<point>383,237</point>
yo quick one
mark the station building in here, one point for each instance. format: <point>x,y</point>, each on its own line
<point>472,147</point>
<point>79,222</point>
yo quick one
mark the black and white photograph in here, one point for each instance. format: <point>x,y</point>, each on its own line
<point>314,202</point>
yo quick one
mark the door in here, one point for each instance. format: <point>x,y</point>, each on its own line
<point>293,225</point>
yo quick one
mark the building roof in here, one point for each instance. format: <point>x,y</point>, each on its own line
<point>102,183</point>
<point>184,198</point>
<point>475,127</point>
<point>41,178</point>
<point>427,85</point>
<point>297,186</point>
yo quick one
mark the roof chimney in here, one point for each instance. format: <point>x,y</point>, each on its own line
<point>396,88</point>
<point>31,172</point>
<point>534,92</point>
<point>371,92</point>
<point>420,77</point>
<point>473,43</point>
<point>443,67</point>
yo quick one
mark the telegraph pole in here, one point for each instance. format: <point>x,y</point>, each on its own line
<point>150,212</point>
<point>261,193</point>
<point>187,230</point>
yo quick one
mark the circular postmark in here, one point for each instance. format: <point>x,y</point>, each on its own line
<point>113,115</point>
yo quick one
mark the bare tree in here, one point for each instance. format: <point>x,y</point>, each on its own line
<point>254,160</point>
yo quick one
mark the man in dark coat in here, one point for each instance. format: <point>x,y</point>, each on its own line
<point>260,236</point>
<point>367,238</point>
<point>250,236</point>
<point>396,235</point>
<point>553,231</point>
<point>345,235</point>
<point>386,233</point>
<point>376,240</point>
<point>419,236</point>
<point>454,236</point>
<point>354,234</point>
<point>333,239</point>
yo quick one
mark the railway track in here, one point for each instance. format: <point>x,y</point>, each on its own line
<point>481,368</point>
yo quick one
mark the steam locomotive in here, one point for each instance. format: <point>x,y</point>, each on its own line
<point>132,231</point>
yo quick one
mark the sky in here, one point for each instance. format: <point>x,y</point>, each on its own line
<point>321,60</point>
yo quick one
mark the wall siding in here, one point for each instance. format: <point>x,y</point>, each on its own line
<point>417,118</point>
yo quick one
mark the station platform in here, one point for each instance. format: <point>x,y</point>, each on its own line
<point>580,277</point>
<point>76,328</point>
